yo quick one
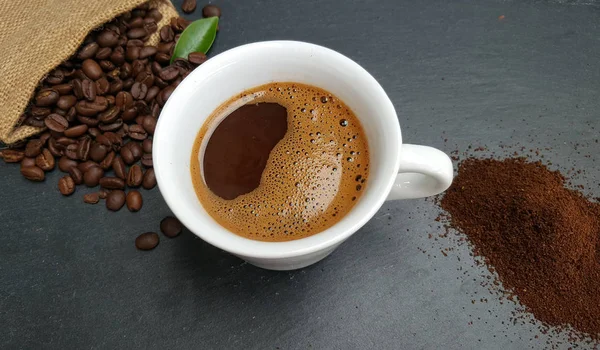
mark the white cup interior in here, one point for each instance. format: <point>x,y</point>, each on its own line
<point>245,67</point>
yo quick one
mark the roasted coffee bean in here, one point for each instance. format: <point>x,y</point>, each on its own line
<point>76,131</point>
<point>71,151</point>
<point>112,183</point>
<point>102,194</point>
<point>136,22</point>
<point>66,185</point>
<point>45,160</point>
<point>134,200</point>
<point>114,126</point>
<point>110,115</point>
<point>150,26</point>
<point>71,115</point>
<point>103,53</point>
<point>129,114</point>
<point>188,6</point>
<point>33,173</point>
<point>152,93</point>
<point>88,109</point>
<point>139,90</point>
<point>136,42</point>
<point>34,122</point>
<point>55,148</point>
<point>26,162</point>
<point>33,148</point>
<point>137,132</point>
<point>147,146</point>
<point>65,141</point>
<point>44,137</point>
<point>76,175</point>
<point>136,33</point>
<point>155,109</point>
<point>104,140</point>
<point>146,78</point>
<point>63,89</point>
<point>65,164</point>
<point>79,75</point>
<point>147,51</point>
<point>164,95</point>
<point>116,141</point>
<point>88,89</point>
<point>142,107</point>
<point>119,168</point>
<point>118,56</point>
<point>135,176</point>
<point>211,11</point>
<point>46,97</point>
<point>127,83</point>
<point>88,51</point>
<point>123,100</point>
<point>89,121</point>
<point>39,112</point>
<point>12,156</point>
<point>77,88</point>
<point>197,58</point>
<point>98,152</point>
<point>115,200</point>
<point>94,132</point>
<point>132,53</point>
<point>147,241</point>
<point>91,178</point>
<point>147,160</point>
<point>165,47</point>
<point>162,58</point>
<point>67,101</point>
<point>171,227</point>
<point>87,165</point>
<point>155,13</point>
<point>125,70</point>
<point>55,77</point>
<point>149,124</point>
<point>56,122</point>
<point>106,163</point>
<point>137,67</point>
<point>115,87</point>
<point>107,38</point>
<point>166,35</point>
<point>91,198</point>
<point>169,73</point>
<point>140,119</point>
<point>83,151</point>
<point>102,86</point>
<point>91,69</point>
<point>60,112</point>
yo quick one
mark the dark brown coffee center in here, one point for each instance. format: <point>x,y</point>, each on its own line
<point>237,152</point>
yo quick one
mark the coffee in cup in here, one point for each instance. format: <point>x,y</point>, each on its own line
<point>280,162</point>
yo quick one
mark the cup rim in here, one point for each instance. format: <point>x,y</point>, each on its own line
<point>262,249</point>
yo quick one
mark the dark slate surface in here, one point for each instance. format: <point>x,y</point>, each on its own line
<point>70,277</point>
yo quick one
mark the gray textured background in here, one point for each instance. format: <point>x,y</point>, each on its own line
<point>70,276</point>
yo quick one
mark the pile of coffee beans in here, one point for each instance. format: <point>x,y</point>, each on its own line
<point>100,108</point>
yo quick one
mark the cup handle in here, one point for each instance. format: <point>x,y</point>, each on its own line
<point>424,171</point>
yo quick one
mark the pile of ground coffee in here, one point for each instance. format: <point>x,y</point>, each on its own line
<point>541,238</point>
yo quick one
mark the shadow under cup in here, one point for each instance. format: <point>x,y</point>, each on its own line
<point>248,66</point>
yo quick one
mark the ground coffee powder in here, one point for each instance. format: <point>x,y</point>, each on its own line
<point>541,238</point>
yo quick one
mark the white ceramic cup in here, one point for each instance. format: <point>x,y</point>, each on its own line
<point>397,171</point>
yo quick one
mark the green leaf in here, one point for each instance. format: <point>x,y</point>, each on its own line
<point>197,37</point>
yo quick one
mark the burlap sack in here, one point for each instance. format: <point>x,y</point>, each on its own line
<point>36,36</point>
